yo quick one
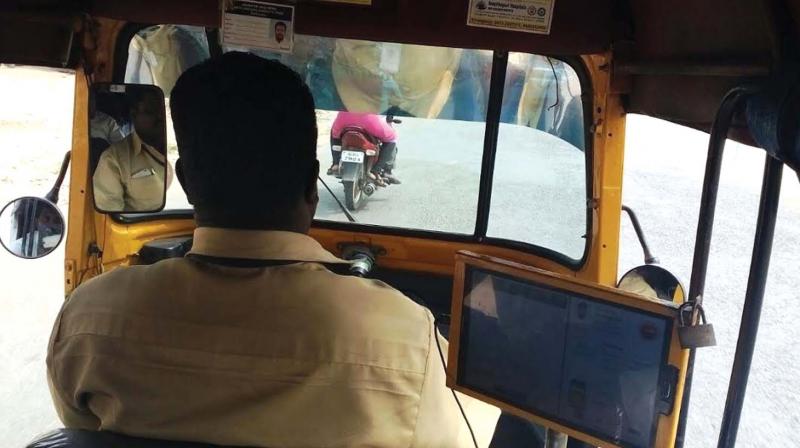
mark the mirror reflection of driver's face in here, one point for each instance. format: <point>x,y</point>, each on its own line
<point>48,222</point>
<point>148,119</point>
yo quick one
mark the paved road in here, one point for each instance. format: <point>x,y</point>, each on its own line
<point>664,168</point>
<point>539,185</point>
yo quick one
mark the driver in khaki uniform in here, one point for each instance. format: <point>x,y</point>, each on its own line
<point>132,175</point>
<point>252,339</point>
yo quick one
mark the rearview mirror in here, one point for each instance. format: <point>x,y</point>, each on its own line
<point>31,227</point>
<point>653,281</point>
<point>128,148</point>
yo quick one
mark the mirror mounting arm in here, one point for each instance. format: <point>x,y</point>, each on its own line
<point>52,195</point>
<point>649,258</point>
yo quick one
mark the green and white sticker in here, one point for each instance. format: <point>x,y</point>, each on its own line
<point>527,16</point>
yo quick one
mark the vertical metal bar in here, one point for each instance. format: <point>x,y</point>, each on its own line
<point>29,227</point>
<point>754,298</point>
<point>212,38</point>
<point>705,222</point>
<point>493,109</point>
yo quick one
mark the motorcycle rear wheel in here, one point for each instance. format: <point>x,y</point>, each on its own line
<point>353,194</point>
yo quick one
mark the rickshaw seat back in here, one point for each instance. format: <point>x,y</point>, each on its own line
<point>81,438</point>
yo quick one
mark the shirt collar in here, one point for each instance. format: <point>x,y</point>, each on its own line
<point>139,145</point>
<point>259,245</point>
<point>136,142</point>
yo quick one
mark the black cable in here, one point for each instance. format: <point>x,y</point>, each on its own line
<point>558,93</point>
<point>96,254</point>
<point>458,402</point>
<point>89,268</point>
<point>344,209</point>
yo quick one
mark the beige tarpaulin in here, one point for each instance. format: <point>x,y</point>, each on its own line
<point>538,78</point>
<point>160,54</point>
<point>420,84</point>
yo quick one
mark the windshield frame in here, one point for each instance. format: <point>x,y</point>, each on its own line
<point>492,123</point>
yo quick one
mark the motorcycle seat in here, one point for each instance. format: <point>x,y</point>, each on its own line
<point>358,138</point>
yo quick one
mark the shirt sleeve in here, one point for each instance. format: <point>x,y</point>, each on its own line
<point>381,129</point>
<point>115,133</point>
<point>440,422</point>
<point>63,397</point>
<point>336,127</point>
<point>109,195</point>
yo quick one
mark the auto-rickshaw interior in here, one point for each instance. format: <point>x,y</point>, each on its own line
<point>518,139</point>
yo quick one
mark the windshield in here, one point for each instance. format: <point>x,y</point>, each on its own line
<point>423,169</point>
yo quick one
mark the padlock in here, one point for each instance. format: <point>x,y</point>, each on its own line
<point>696,335</point>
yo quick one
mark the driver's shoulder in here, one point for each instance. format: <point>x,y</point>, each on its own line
<point>117,286</point>
<point>373,296</point>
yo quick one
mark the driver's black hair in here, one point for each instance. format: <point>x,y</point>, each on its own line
<point>247,134</point>
<point>138,94</point>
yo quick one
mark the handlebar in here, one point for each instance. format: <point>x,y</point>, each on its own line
<point>390,115</point>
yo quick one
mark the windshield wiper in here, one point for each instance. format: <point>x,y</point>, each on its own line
<point>344,209</point>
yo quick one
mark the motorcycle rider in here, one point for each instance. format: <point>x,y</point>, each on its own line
<point>376,127</point>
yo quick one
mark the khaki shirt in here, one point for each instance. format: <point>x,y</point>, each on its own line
<point>289,355</point>
<point>130,177</point>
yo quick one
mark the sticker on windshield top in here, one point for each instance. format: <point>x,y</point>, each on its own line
<point>528,16</point>
<point>259,25</point>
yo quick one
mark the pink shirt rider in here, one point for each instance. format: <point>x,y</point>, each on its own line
<point>375,125</point>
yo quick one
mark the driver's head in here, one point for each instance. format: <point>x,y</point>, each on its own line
<point>247,140</point>
<point>147,115</point>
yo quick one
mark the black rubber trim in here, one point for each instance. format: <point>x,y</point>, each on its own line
<point>135,218</point>
<point>484,198</point>
<point>542,252</point>
<point>395,231</point>
<point>490,138</point>
<point>587,100</point>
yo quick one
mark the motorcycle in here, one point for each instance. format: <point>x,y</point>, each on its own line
<point>359,153</point>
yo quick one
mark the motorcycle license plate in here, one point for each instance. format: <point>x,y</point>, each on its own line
<point>353,156</point>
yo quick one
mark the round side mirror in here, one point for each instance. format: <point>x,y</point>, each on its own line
<point>653,281</point>
<point>31,227</point>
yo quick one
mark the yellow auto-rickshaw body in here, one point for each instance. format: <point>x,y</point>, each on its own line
<point>674,62</point>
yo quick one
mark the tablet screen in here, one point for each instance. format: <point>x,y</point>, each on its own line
<point>585,363</point>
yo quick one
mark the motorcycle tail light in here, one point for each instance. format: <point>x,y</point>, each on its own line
<point>371,152</point>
